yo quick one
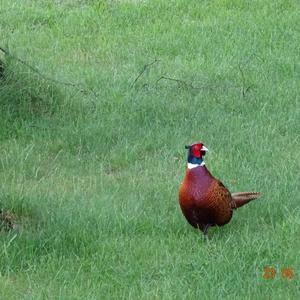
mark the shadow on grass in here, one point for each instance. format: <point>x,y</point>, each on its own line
<point>24,96</point>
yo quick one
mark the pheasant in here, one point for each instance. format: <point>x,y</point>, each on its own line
<point>204,200</point>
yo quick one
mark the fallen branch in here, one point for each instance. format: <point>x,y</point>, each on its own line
<point>188,85</point>
<point>143,71</point>
<point>178,81</point>
<point>245,88</point>
<point>35,70</point>
<point>243,80</point>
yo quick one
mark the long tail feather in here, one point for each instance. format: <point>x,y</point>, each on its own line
<point>243,198</point>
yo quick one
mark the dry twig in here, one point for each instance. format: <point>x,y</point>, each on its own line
<point>35,70</point>
<point>188,85</point>
<point>143,71</point>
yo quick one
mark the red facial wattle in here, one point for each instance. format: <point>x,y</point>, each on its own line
<point>196,151</point>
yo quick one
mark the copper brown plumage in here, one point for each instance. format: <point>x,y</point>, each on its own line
<point>204,200</point>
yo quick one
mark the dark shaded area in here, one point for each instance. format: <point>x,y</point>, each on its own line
<point>8,220</point>
<point>2,68</point>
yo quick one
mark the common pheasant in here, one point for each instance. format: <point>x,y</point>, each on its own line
<point>204,200</point>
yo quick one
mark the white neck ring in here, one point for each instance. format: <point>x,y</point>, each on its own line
<point>192,166</point>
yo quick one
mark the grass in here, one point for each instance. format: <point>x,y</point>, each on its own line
<point>93,180</point>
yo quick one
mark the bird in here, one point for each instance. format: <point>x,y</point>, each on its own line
<point>204,200</point>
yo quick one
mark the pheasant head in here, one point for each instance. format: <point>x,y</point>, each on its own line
<point>196,152</point>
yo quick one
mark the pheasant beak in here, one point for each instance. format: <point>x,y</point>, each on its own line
<point>204,149</point>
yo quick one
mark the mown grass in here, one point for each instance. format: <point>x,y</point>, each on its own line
<point>93,176</point>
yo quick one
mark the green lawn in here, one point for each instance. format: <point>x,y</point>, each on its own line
<point>90,171</point>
